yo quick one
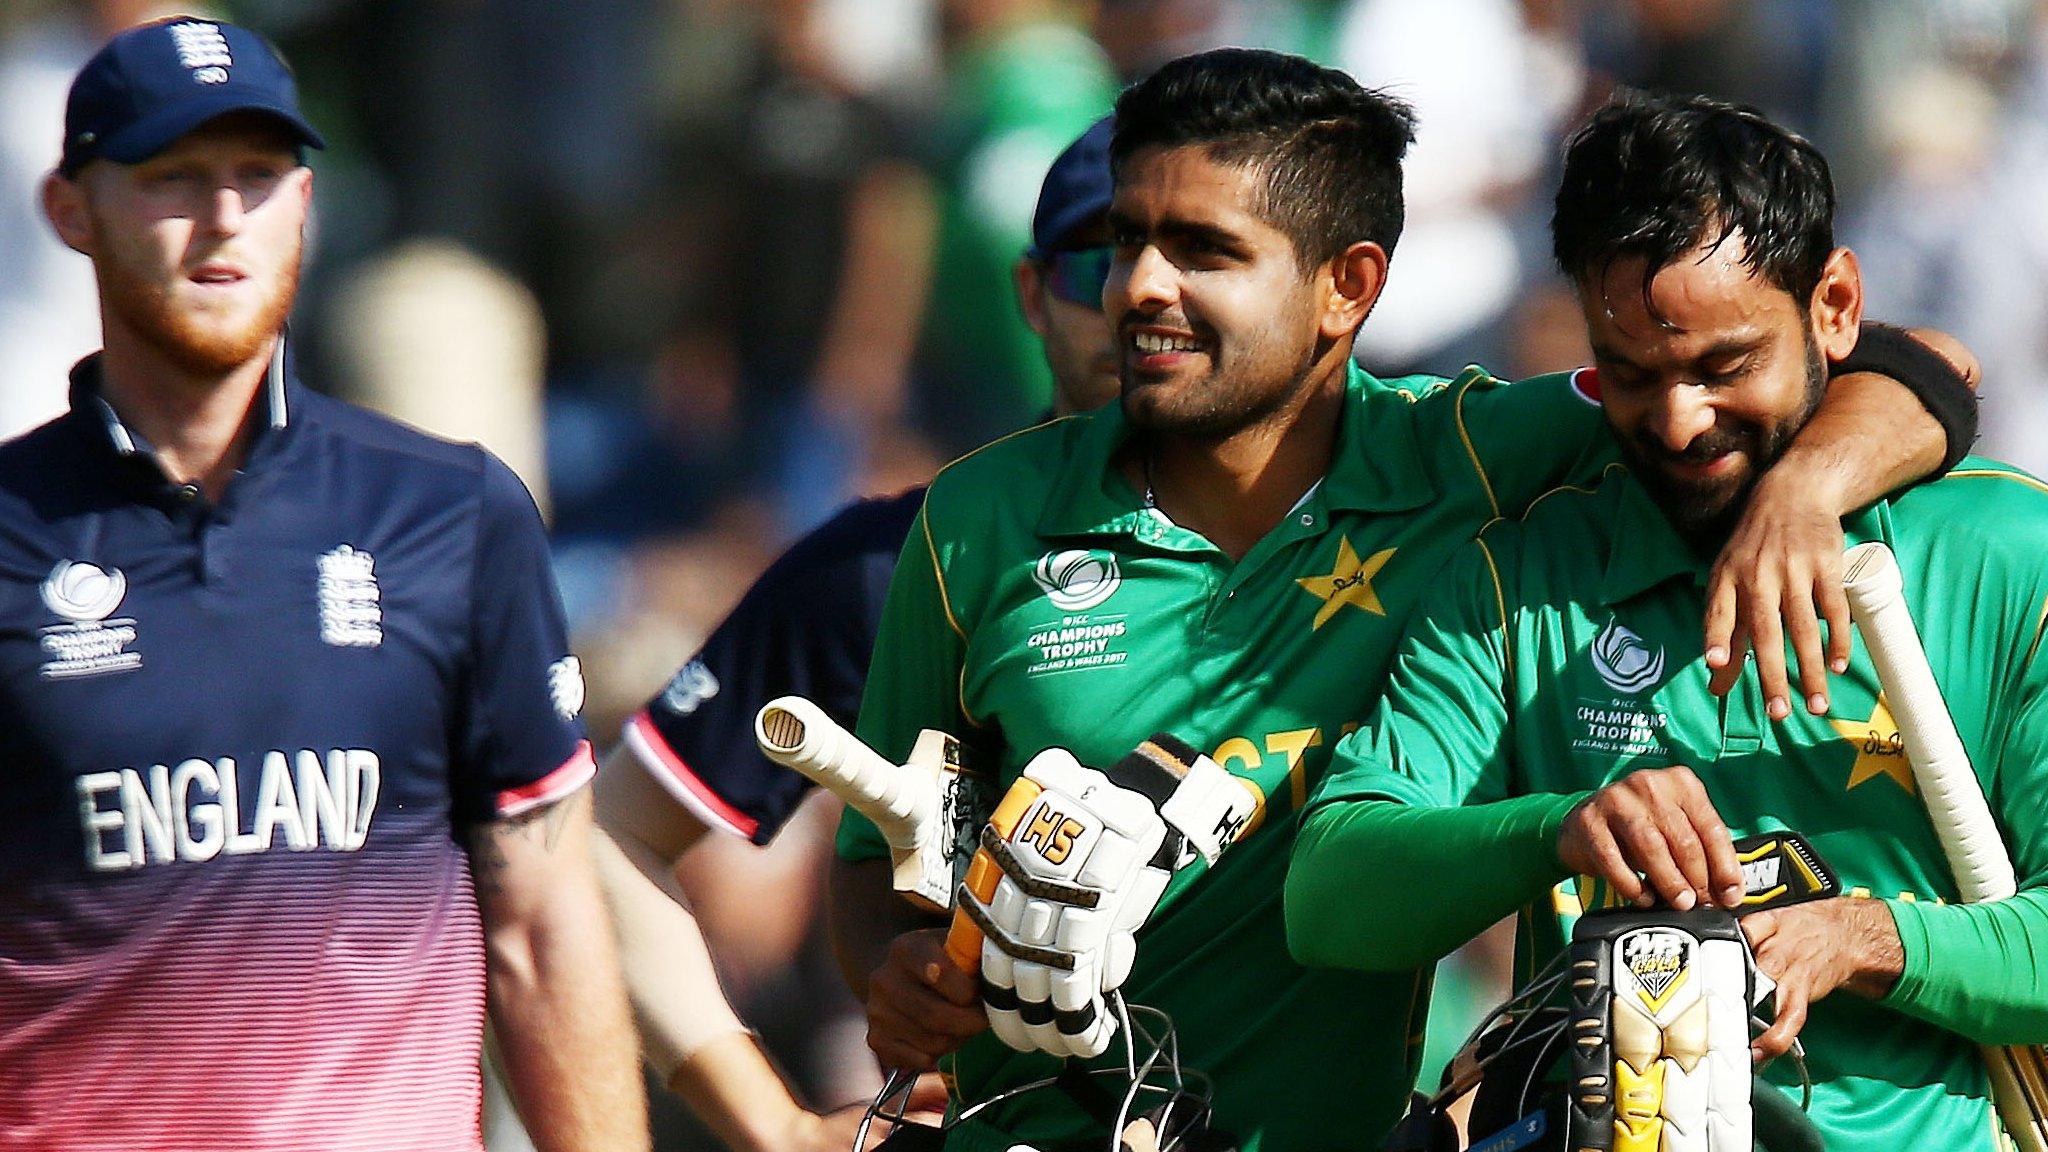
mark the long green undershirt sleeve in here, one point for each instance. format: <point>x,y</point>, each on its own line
<point>1383,886</point>
<point>1979,970</point>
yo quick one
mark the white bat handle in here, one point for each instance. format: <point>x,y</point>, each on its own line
<point>796,733</point>
<point>1941,766</point>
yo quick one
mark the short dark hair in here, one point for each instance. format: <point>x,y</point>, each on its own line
<point>1329,148</point>
<point>1659,176</point>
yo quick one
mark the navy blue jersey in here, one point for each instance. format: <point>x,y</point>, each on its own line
<point>240,742</point>
<point>806,628</point>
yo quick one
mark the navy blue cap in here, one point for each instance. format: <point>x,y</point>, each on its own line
<point>154,83</point>
<point>1076,190</point>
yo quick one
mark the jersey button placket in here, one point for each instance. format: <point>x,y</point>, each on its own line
<point>1742,714</point>
<point>213,552</point>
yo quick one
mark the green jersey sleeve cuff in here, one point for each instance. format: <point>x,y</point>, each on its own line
<point>1971,968</point>
<point>1913,945</point>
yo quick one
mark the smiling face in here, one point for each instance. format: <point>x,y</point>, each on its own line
<point>1217,324</point>
<point>1708,375</point>
<point>197,249</point>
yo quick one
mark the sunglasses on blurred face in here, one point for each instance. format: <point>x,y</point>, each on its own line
<point>1077,275</point>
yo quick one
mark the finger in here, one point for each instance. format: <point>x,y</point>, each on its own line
<point>935,1017</point>
<point>1000,1001</point>
<point>1723,678</point>
<point>949,981</point>
<point>1759,927</point>
<point>1646,843</point>
<point>1602,857</point>
<point>895,1054</point>
<point>1776,1040</point>
<point>1834,605</point>
<point>1767,644</point>
<point>1720,876</point>
<point>1079,1012</point>
<point>1802,626</point>
<point>1722,602</point>
<point>898,1043</point>
<point>1034,998</point>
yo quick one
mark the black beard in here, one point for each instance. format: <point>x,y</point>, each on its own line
<point>1705,515</point>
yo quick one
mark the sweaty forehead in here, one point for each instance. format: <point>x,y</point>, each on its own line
<point>1704,298</point>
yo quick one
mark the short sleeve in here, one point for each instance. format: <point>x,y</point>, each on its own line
<point>520,742</point>
<point>806,628</point>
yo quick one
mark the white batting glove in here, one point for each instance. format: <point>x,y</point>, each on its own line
<point>1081,857</point>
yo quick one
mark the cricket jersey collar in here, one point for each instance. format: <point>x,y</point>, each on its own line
<point>1090,497</point>
<point>130,451</point>
<point>1379,464</point>
<point>1378,467</point>
<point>1643,549</point>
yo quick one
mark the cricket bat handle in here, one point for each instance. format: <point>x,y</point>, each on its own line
<point>1941,766</point>
<point>796,733</point>
<point>902,800</point>
<point>1954,797</point>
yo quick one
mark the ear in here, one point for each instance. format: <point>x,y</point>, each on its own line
<point>1356,277</point>
<point>64,206</point>
<point>1837,307</point>
<point>1030,281</point>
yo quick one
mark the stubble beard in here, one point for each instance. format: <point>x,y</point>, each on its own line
<point>1223,403</point>
<point>1705,515</point>
<point>193,343</point>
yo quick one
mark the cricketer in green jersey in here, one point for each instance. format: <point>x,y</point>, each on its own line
<point>1560,654</point>
<point>1227,555</point>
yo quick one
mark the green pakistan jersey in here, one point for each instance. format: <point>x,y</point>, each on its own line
<point>1040,603</point>
<point>1564,651</point>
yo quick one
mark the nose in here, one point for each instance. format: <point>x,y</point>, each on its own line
<point>225,211</point>
<point>1681,415</point>
<point>1144,283</point>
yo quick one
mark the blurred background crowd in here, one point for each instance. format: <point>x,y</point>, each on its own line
<point>702,270</point>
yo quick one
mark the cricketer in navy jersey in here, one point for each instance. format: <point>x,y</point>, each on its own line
<point>295,783</point>
<point>240,738</point>
<point>806,628</point>
<point>688,761</point>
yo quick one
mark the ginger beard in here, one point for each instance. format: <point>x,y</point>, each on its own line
<point>167,311</point>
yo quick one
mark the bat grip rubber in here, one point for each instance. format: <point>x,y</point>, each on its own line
<point>963,944</point>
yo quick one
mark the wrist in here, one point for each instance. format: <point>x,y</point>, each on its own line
<point>734,1091</point>
<point>1880,954</point>
<point>1810,477</point>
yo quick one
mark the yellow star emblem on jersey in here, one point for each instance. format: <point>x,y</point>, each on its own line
<point>1880,750</point>
<point>1350,582</point>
